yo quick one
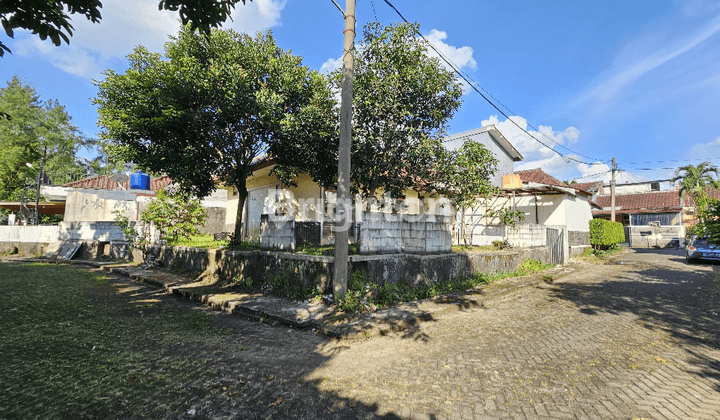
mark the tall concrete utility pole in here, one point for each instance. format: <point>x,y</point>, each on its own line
<point>342,221</point>
<point>612,192</point>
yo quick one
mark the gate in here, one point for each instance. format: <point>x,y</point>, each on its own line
<point>555,243</point>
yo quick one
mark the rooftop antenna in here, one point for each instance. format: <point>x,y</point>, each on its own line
<point>119,179</point>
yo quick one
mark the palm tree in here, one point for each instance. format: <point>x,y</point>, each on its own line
<point>694,178</point>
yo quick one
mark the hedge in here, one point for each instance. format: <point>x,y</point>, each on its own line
<point>604,233</point>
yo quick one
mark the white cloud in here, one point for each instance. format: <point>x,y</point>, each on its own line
<point>257,15</point>
<point>596,172</point>
<point>528,142</point>
<point>331,65</point>
<point>536,155</point>
<point>553,165</point>
<point>462,57</point>
<point>126,24</point>
<point>706,150</point>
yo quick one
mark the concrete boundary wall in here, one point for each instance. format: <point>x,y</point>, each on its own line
<point>45,240</point>
<point>411,234</point>
<point>277,232</point>
<point>41,234</point>
<point>656,237</point>
<point>526,235</point>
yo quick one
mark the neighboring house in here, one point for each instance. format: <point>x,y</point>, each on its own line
<point>689,212</point>
<point>492,138</point>
<point>97,198</point>
<point>641,187</point>
<point>595,188</point>
<point>545,203</point>
<point>548,201</point>
<point>650,218</point>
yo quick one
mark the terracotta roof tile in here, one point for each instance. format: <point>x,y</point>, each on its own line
<point>103,182</point>
<point>650,202</point>
<point>540,177</point>
<point>587,186</point>
<point>711,193</point>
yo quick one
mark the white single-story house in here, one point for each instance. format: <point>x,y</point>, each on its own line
<point>311,203</point>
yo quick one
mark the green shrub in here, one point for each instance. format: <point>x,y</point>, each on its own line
<point>604,233</point>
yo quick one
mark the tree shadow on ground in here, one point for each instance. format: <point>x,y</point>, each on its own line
<point>680,299</point>
<point>260,369</point>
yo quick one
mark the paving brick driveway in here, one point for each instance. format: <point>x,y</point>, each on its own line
<point>636,339</point>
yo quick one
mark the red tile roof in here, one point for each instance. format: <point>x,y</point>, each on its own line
<point>540,177</point>
<point>587,186</point>
<point>103,182</point>
<point>711,193</point>
<point>650,202</point>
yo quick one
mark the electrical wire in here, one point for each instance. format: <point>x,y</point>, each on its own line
<point>589,175</point>
<point>473,84</point>
<point>671,161</point>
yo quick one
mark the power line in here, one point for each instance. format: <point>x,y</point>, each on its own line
<point>589,175</point>
<point>672,160</point>
<point>652,169</point>
<point>473,84</point>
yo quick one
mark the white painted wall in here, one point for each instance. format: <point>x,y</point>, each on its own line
<point>65,231</point>
<point>99,205</point>
<point>41,234</point>
<point>578,214</point>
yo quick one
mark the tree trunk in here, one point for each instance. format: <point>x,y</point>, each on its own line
<point>242,197</point>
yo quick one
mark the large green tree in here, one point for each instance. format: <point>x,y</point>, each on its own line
<point>51,18</point>
<point>34,129</point>
<point>403,99</point>
<point>212,106</point>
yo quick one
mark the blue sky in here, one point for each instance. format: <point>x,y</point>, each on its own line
<point>635,80</point>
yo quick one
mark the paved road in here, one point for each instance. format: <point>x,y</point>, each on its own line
<point>636,339</point>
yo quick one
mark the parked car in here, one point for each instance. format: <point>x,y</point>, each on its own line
<point>700,249</point>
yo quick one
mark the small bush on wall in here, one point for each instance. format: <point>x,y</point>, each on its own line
<point>604,233</point>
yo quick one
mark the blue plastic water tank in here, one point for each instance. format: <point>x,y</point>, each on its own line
<point>139,181</point>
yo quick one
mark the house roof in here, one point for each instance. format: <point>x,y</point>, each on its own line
<point>711,193</point>
<point>103,182</point>
<point>494,133</point>
<point>587,186</point>
<point>540,177</point>
<point>45,207</point>
<point>535,181</point>
<point>649,202</point>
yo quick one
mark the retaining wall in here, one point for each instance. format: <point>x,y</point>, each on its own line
<point>317,271</point>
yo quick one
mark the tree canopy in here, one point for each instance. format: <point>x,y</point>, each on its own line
<point>211,107</point>
<point>51,18</point>
<point>403,99</point>
<point>693,177</point>
<point>693,181</point>
<point>34,126</point>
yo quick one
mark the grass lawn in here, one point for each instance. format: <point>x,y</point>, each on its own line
<point>74,345</point>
